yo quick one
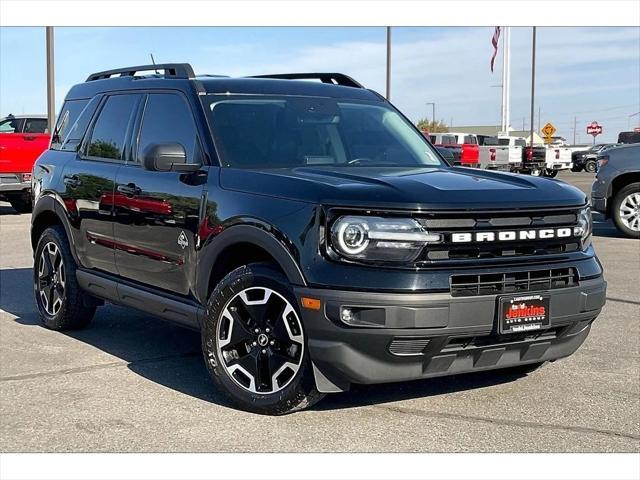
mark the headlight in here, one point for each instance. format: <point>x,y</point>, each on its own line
<point>584,227</point>
<point>378,239</point>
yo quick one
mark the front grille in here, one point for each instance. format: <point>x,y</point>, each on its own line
<point>408,345</point>
<point>9,178</point>
<point>512,282</point>
<point>475,222</point>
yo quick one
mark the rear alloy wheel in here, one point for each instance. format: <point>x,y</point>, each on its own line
<point>535,173</point>
<point>590,166</point>
<point>62,305</point>
<point>626,210</point>
<point>254,342</point>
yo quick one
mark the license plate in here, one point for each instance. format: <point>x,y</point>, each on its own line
<point>523,313</point>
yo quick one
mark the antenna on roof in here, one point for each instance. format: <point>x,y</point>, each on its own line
<point>154,62</point>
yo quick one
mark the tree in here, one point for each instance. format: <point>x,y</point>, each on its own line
<point>432,127</point>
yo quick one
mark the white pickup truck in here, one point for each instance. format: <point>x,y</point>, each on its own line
<point>557,158</point>
<point>493,155</point>
<point>515,144</point>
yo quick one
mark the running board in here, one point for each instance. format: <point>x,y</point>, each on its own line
<point>183,313</point>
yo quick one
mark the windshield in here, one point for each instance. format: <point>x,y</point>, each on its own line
<point>283,132</point>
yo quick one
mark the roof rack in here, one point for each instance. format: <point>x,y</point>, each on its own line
<point>333,78</point>
<point>171,70</point>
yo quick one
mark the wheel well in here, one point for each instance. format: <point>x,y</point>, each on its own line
<point>42,222</point>
<point>623,180</point>
<point>235,256</point>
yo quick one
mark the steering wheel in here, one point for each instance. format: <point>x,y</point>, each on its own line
<point>358,161</point>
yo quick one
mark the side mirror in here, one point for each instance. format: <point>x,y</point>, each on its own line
<point>167,157</point>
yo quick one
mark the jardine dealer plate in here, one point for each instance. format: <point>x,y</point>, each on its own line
<point>523,313</point>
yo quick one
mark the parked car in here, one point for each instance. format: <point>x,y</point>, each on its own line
<point>629,137</point>
<point>616,189</point>
<point>319,242</point>
<point>22,139</point>
<point>532,159</point>
<point>586,159</point>
<point>492,155</point>
<point>557,158</point>
<point>464,145</point>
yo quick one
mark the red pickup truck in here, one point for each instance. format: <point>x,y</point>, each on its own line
<point>22,139</point>
<point>464,144</point>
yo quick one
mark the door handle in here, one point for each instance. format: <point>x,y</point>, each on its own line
<point>29,137</point>
<point>129,189</point>
<point>72,181</point>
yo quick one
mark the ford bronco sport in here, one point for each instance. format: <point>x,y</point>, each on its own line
<point>309,232</point>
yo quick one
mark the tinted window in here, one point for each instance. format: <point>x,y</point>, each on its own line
<point>10,125</point>
<point>449,140</point>
<point>298,131</point>
<point>503,141</point>
<point>68,115</point>
<point>470,139</point>
<point>520,143</point>
<point>110,129</point>
<point>168,119</point>
<point>35,125</point>
<point>78,125</point>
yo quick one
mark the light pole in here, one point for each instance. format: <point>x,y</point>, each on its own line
<point>433,112</point>
<point>388,63</point>
<point>533,83</point>
<point>51,93</point>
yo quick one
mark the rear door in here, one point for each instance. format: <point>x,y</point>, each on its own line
<point>89,179</point>
<point>157,213</point>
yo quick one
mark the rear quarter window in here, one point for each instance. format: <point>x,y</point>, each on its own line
<point>68,115</point>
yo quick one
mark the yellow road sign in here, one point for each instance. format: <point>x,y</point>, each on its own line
<point>548,130</point>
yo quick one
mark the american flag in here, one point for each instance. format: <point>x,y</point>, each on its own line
<point>494,42</point>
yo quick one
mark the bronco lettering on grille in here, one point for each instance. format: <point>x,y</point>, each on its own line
<point>512,235</point>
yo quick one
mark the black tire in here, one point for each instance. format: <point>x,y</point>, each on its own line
<point>298,391</point>
<point>551,173</point>
<point>74,310</point>
<point>21,203</point>
<point>632,188</point>
<point>590,166</point>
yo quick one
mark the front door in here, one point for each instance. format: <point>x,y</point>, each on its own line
<point>157,213</point>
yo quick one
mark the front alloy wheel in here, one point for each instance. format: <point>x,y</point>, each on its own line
<point>260,340</point>
<point>626,210</point>
<point>254,344</point>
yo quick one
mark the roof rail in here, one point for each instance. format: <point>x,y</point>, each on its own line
<point>171,70</point>
<point>333,78</point>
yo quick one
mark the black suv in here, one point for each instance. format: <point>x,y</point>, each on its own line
<point>309,232</point>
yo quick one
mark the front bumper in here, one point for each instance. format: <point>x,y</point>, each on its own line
<point>12,183</point>
<point>435,334</point>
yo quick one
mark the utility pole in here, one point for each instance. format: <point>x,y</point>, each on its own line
<point>533,83</point>
<point>506,77</point>
<point>433,111</point>
<point>388,63</point>
<point>51,93</point>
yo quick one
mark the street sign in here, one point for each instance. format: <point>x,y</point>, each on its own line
<point>548,130</point>
<point>594,129</point>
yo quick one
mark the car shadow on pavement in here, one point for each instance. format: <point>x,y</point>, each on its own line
<point>605,228</point>
<point>7,209</point>
<point>171,356</point>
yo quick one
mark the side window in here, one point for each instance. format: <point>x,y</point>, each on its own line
<point>110,129</point>
<point>168,119</point>
<point>10,125</point>
<point>35,125</point>
<point>68,115</point>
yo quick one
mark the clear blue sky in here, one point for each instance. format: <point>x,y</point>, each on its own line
<point>592,73</point>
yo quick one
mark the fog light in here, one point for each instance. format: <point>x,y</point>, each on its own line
<point>346,314</point>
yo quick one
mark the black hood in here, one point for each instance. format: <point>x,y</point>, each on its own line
<point>405,188</point>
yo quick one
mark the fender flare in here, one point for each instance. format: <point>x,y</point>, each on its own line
<point>48,204</point>
<point>210,254</point>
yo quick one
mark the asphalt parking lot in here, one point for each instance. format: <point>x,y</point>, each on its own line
<point>131,383</point>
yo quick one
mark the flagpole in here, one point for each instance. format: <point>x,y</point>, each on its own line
<point>503,115</point>
<point>508,84</point>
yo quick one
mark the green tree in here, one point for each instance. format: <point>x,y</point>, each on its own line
<point>432,127</point>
